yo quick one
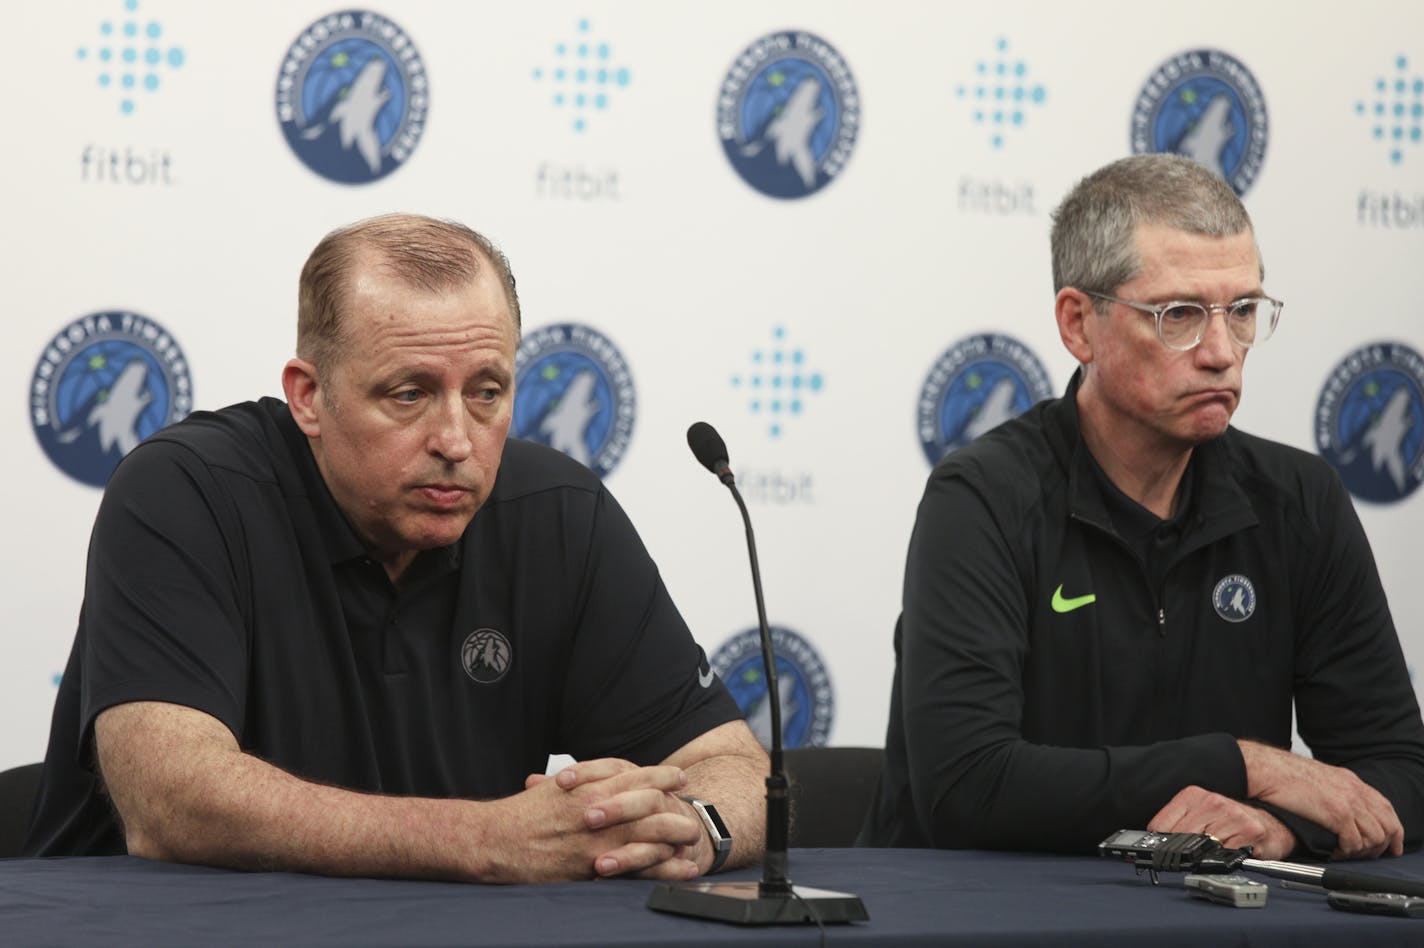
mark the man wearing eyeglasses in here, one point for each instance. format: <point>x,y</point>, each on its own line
<point>1113,602</point>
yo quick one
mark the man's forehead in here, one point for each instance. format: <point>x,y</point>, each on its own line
<point>400,293</point>
<point>1164,246</point>
<point>393,329</point>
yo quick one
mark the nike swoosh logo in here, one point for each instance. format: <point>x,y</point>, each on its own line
<point>1068,605</point>
<point>705,680</point>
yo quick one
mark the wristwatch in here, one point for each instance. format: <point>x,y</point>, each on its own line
<point>716,829</point>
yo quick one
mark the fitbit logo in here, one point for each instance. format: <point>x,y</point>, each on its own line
<point>130,57</point>
<point>1001,93</point>
<point>125,166</point>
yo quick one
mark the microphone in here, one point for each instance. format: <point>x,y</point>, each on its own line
<point>709,448</point>
<point>774,900</point>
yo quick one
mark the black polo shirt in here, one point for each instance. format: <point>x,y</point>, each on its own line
<point>223,576</point>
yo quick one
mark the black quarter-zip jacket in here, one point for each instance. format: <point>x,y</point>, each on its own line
<point>1051,688</point>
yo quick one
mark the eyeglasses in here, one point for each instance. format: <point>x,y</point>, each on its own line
<point>1181,326</point>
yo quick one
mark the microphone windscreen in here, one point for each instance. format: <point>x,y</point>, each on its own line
<point>707,445</point>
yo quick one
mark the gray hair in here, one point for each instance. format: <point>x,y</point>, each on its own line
<point>1094,229</point>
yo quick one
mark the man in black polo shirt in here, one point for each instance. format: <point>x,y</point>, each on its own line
<point>342,634</point>
<point>1114,602</point>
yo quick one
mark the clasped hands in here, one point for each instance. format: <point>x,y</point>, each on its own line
<point>604,818</point>
<point>1362,819</point>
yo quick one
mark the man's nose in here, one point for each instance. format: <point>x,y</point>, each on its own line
<point>450,438</point>
<point>1217,348</point>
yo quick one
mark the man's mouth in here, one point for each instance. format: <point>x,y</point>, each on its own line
<point>444,495</point>
<point>1213,394</point>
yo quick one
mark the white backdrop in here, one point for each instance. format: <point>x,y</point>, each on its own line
<point>192,210</point>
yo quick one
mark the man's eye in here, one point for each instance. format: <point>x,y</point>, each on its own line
<point>1181,314</point>
<point>1243,309</point>
<point>488,394</point>
<point>409,397</point>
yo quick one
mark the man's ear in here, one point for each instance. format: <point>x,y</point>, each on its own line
<point>303,391</point>
<point>1076,317</point>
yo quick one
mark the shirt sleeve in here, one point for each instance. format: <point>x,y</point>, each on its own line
<point>638,687</point>
<point>976,781</point>
<point>162,616</point>
<point>1355,703</point>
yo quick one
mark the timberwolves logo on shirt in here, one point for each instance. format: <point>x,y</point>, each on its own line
<point>486,655</point>
<point>1234,598</point>
<point>574,393</point>
<point>1369,421</point>
<point>1206,105</point>
<point>788,113</point>
<point>976,385</point>
<point>807,704</point>
<point>352,96</point>
<point>103,384</point>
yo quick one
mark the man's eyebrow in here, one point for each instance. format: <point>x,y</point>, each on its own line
<point>418,372</point>
<point>496,372</point>
<point>1163,298</point>
<point>399,374</point>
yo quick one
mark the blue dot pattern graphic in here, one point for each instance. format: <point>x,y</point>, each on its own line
<point>779,384</point>
<point>1001,94</point>
<point>583,78</point>
<point>1395,110</point>
<point>131,56</point>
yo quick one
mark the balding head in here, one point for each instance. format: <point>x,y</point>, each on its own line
<point>425,253</point>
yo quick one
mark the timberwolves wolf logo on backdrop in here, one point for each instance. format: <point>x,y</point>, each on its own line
<point>352,97</point>
<point>1369,421</point>
<point>103,384</point>
<point>574,393</point>
<point>978,383</point>
<point>807,703</point>
<point>1206,105</point>
<point>788,113</point>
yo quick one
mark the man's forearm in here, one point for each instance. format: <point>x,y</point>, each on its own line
<point>198,801</point>
<point>738,789</point>
<point>1363,819</point>
<point>1038,797</point>
<point>732,775</point>
<point>186,792</point>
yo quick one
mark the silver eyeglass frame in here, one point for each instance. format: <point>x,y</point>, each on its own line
<point>1208,309</point>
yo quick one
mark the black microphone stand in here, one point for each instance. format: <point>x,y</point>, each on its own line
<point>773,900</point>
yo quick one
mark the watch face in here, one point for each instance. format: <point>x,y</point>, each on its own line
<point>716,818</point>
<point>721,836</point>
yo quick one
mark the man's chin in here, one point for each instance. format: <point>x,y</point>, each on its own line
<point>1207,430</point>
<point>440,529</point>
